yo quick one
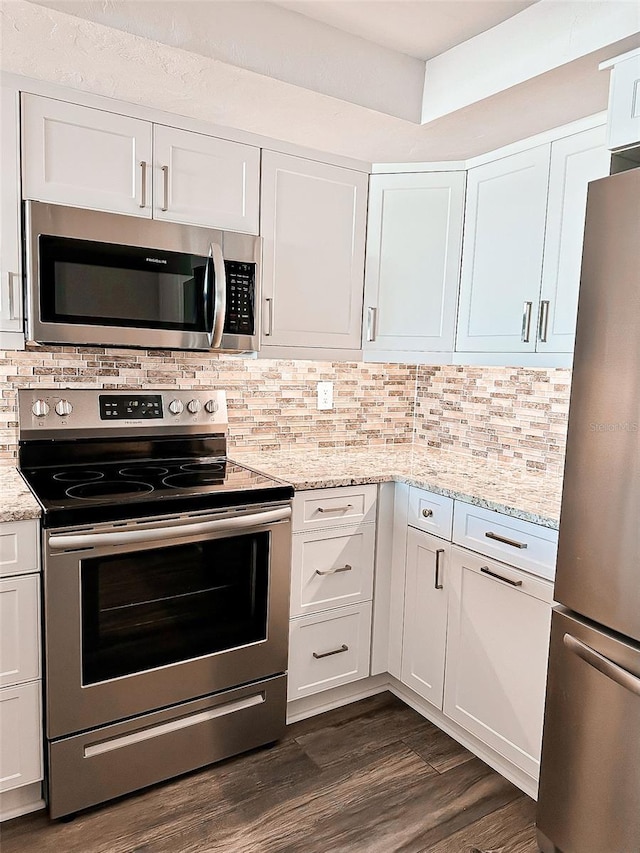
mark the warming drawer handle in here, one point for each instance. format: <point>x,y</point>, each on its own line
<point>131,537</point>
<point>607,667</point>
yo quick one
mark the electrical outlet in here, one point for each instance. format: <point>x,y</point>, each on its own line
<point>325,395</point>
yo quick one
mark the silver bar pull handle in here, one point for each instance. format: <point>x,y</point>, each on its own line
<point>543,321</point>
<point>372,317</point>
<point>436,582</point>
<point>269,324</point>
<point>505,541</point>
<point>14,295</point>
<point>165,188</point>
<point>335,508</point>
<point>143,183</point>
<point>487,571</point>
<point>345,568</point>
<point>342,648</point>
<point>607,667</point>
<point>526,322</point>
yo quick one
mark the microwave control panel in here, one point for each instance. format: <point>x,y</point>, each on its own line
<point>241,288</point>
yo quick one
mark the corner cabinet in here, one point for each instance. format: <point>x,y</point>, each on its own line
<point>11,305</point>
<point>313,223</point>
<point>414,244</point>
<point>85,157</point>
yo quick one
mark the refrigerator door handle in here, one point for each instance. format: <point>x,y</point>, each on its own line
<point>607,667</point>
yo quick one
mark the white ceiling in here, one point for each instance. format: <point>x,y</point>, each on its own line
<point>419,28</point>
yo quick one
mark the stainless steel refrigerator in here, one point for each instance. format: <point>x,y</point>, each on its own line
<point>589,798</point>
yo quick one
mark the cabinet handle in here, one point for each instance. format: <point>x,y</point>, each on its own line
<point>335,508</point>
<point>427,513</point>
<point>13,286</point>
<point>342,648</point>
<point>543,323</point>
<point>487,571</point>
<point>165,188</point>
<point>372,318</point>
<point>526,322</point>
<point>506,541</point>
<point>143,183</point>
<point>345,568</point>
<point>436,582</point>
<point>269,325</point>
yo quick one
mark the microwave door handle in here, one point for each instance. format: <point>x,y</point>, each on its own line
<point>220,299</point>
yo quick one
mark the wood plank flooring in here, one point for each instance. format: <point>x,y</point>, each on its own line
<point>372,777</point>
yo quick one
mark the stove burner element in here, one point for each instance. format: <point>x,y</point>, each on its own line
<point>143,471</point>
<point>107,488</point>
<point>80,476</point>
<point>203,467</point>
<point>192,480</point>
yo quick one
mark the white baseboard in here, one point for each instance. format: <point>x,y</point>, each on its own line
<point>21,801</point>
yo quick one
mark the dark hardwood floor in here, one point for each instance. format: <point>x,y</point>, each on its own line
<point>372,777</point>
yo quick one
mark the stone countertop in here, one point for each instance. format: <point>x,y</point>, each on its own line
<point>17,502</point>
<point>510,489</point>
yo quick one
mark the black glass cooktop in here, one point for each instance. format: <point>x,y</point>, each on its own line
<point>94,492</point>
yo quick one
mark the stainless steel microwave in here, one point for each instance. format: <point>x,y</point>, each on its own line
<point>111,280</point>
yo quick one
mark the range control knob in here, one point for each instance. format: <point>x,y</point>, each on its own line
<point>40,409</point>
<point>211,406</point>
<point>176,407</point>
<point>194,406</point>
<point>63,408</point>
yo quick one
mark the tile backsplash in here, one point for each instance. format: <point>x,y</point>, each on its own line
<point>503,413</point>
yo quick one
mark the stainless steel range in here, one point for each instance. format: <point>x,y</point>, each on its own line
<point>166,588</point>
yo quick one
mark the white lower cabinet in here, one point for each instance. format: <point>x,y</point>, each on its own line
<point>20,736</point>
<point>425,614</point>
<point>497,648</point>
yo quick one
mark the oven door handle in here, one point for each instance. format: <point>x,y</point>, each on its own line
<point>66,541</point>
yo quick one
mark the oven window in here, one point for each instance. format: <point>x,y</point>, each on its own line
<point>150,608</point>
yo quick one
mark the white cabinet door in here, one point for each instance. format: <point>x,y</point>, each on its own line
<point>425,615</point>
<point>502,253</point>
<point>19,629</point>
<point>11,316</point>
<point>202,180</point>
<point>83,157</point>
<point>313,224</point>
<point>20,736</point>
<point>497,648</point>
<point>414,243</point>
<point>624,102</point>
<point>575,161</point>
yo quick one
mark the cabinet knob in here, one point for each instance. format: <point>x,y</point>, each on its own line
<point>194,406</point>
<point>427,513</point>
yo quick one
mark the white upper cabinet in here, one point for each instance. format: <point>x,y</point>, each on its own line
<point>414,243</point>
<point>575,161</point>
<point>502,254</point>
<point>624,100</point>
<point>11,317</point>
<point>83,157</point>
<point>313,222</point>
<point>201,180</point>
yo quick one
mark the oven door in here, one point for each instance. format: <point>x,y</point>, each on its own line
<point>141,616</point>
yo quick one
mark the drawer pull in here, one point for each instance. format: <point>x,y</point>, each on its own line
<point>342,648</point>
<point>335,508</point>
<point>427,513</point>
<point>436,582</point>
<point>487,571</point>
<point>506,541</point>
<point>345,568</point>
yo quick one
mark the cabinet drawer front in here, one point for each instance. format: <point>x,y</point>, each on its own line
<point>328,650</point>
<point>18,547</point>
<point>20,736</point>
<point>430,512</point>
<point>319,508</point>
<point>520,543</point>
<point>332,568</point>
<point>497,648</point>
<point>19,630</point>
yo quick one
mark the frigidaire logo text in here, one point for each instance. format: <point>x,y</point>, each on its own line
<point>156,260</point>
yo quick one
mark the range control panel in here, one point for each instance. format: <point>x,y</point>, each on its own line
<point>59,411</point>
<point>241,288</point>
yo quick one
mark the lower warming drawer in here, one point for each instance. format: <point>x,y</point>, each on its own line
<point>95,766</point>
